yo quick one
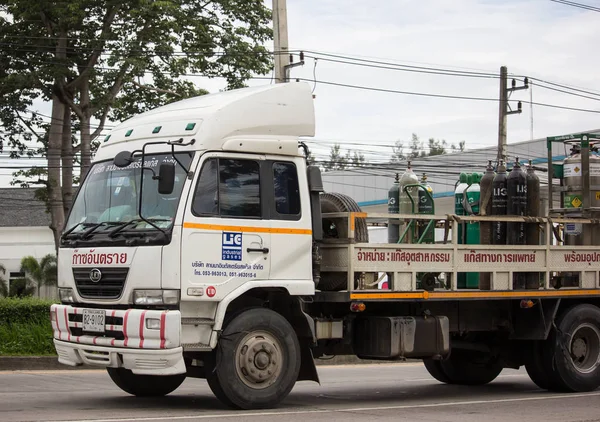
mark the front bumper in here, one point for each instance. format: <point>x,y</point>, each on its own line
<point>126,342</point>
<point>142,362</point>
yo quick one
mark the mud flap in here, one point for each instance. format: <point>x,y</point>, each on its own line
<point>308,369</point>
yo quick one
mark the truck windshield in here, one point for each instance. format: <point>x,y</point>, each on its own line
<point>109,196</point>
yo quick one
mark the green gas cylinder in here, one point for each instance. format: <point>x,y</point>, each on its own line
<point>426,206</point>
<point>472,196</point>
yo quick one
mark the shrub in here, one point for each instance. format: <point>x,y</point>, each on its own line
<point>24,310</point>
<point>25,327</point>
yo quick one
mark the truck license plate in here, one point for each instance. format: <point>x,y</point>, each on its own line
<point>93,320</point>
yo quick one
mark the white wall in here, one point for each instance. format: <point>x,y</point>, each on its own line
<point>18,242</point>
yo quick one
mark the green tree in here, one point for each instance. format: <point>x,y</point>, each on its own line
<point>416,147</point>
<point>461,147</point>
<point>357,160</point>
<point>108,60</point>
<point>436,147</point>
<point>20,287</point>
<point>336,161</point>
<point>3,282</point>
<point>398,152</point>
<point>40,273</point>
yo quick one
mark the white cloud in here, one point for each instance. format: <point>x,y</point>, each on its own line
<point>535,37</point>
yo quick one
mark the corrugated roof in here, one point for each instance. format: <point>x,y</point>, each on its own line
<point>20,208</point>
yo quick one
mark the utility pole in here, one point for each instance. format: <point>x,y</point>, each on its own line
<point>280,38</point>
<point>505,109</point>
<point>502,118</point>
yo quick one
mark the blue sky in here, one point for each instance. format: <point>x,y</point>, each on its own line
<point>538,38</point>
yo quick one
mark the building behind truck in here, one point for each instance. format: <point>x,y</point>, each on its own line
<point>201,244</point>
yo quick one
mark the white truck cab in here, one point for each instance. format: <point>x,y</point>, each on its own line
<point>221,186</point>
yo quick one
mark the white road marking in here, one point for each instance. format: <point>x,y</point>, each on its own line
<point>342,410</point>
<point>102,370</point>
<point>433,379</point>
<point>53,372</point>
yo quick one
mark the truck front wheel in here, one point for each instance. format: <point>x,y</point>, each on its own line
<point>145,385</point>
<point>257,360</point>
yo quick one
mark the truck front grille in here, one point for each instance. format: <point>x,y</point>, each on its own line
<point>110,285</point>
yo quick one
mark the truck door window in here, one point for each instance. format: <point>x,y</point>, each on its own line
<point>239,188</point>
<point>286,190</point>
<point>228,188</point>
<point>206,199</point>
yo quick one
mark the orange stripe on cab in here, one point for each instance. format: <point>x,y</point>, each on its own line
<point>246,229</point>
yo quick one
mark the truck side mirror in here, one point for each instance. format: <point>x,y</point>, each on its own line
<point>166,178</point>
<point>123,159</point>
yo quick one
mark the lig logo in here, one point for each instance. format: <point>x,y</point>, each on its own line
<point>232,239</point>
<point>231,246</point>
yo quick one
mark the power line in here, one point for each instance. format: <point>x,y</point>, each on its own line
<point>578,5</point>
<point>108,51</point>
<point>332,57</point>
<point>458,97</point>
<point>398,65</point>
<point>405,68</point>
<point>394,91</point>
<point>441,70</point>
<point>585,91</point>
<point>541,85</point>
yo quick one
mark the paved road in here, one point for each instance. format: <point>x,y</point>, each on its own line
<point>402,392</point>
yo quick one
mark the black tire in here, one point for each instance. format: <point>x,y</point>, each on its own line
<point>536,367</point>
<point>434,368</point>
<point>572,352</point>
<point>269,342</point>
<point>145,385</point>
<point>338,229</point>
<point>213,381</point>
<point>463,370</point>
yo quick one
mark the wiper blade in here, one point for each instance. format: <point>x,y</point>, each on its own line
<point>86,234</point>
<point>83,223</point>
<point>124,225</point>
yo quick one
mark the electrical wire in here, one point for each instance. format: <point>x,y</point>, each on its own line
<point>458,97</point>
<point>389,64</point>
<point>578,5</point>
<point>403,69</point>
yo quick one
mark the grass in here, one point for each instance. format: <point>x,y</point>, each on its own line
<point>25,328</point>
<point>26,339</point>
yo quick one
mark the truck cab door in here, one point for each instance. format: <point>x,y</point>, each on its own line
<point>226,238</point>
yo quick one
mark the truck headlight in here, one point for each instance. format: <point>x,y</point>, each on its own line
<point>66,295</point>
<point>156,297</point>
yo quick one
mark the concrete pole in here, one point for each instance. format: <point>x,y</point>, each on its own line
<point>280,39</point>
<point>503,106</point>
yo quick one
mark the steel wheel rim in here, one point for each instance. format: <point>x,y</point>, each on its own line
<point>584,348</point>
<point>259,360</point>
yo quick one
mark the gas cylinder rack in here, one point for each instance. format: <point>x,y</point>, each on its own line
<point>575,199</point>
<point>579,176</point>
<point>583,140</point>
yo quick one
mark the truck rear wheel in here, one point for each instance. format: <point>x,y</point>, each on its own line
<point>257,360</point>
<point>540,366</point>
<point>536,367</point>
<point>338,229</point>
<point>573,350</point>
<point>434,367</point>
<point>463,370</point>
<point>145,385</point>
